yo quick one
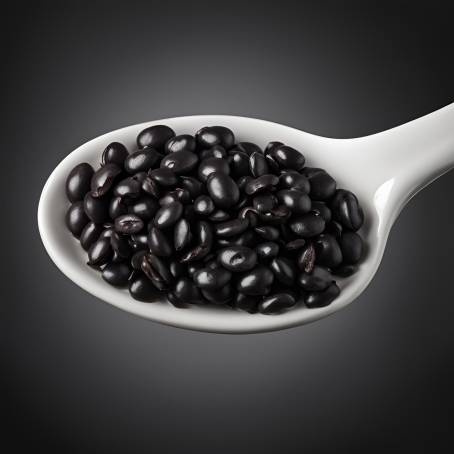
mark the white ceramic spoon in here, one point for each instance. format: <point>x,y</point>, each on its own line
<point>384,170</point>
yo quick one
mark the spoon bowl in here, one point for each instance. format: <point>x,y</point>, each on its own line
<point>384,170</point>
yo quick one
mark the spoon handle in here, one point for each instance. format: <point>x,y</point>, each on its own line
<point>403,160</point>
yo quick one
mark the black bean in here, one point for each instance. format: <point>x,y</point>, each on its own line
<point>334,228</point>
<point>157,271</point>
<point>120,245</point>
<point>231,228</point>
<point>306,258</point>
<point>212,165</point>
<point>142,160</point>
<point>107,232</point>
<point>277,215</point>
<point>194,266</point>
<point>351,245</point>
<point>284,270</point>
<point>144,207</point>
<point>264,202</point>
<point>100,252</point>
<point>103,179</point>
<point>307,225</point>
<point>141,288</point>
<point>322,209</point>
<point>294,245</point>
<point>268,232</point>
<point>139,241</point>
<point>237,258</point>
<point>294,180</point>
<point>321,299</point>
<point>219,216</point>
<point>296,201</point>
<point>239,164</point>
<point>345,270</point>
<point>248,303</point>
<point>177,269</point>
<point>267,251</point>
<point>155,136</point>
<point>323,186</point>
<point>181,162</point>
<point>203,205</point>
<point>258,164</point>
<point>327,251</point>
<point>247,239</point>
<point>136,259</point>
<point>317,280</point>
<point>223,190</point>
<point>177,195</point>
<point>205,242</point>
<point>346,210</point>
<point>192,185</point>
<point>186,291</point>
<point>217,151</point>
<point>129,187</point>
<point>182,236</point>
<point>168,215</point>
<point>158,243</point>
<point>287,157</point>
<point>128,223</point>
<point>150,187</point>
<point>76,219</point>
<point>90,234</point>
<point>116,274</point>
<point>97,209</point>
<point>218,296</point>
<point>262,183</point>
<point>183,142</point>
<point>164,177</point>
<point>273,166</point>
<point>117,207</point>
<point>243,181</point>
<point>248,148</point>
<point>215,135</point>
<point>78,182</point>
<point>273,304</point>
<point>209,278</point>
<point>114,153</point>
<point>256,281</point>
<point>272,145</point>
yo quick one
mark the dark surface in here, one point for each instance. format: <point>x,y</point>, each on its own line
<point>79,376</point>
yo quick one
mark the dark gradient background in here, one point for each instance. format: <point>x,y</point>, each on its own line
<point>78,376</point>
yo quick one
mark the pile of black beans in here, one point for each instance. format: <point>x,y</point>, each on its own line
<point>205,220</point>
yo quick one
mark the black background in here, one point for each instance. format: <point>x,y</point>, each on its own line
<point>78,376</point>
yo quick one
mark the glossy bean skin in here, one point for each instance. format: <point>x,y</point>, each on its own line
<point>216,151</point>
<point>239,164</point>
<point>76,218</point>
<point>346,210</point>
<point>327,251</point>
<point>264,202</point>
<point>248,147</point>
<point>209,278</point>
<point>223,190</point>
<point>212,165</point>
<point>90,234</point>
<point>267,232</point>
<point>351,245</point>
<point>323,186</point>
<point>120,245</point>
<point>100,252</point>
<point>219,216</point>
<point>180,162</point>
<point>284,270</point>
<point>267,251</point>
<point>155,136</point>
<point>103,179</point>
<point>117,207</point>
<point>323,210</point>
<point>256,281</point>
<point>231,228</point>
<point>183,142</point>
<point>141,160</point>
<point>136,259</point>
<point>287,157</point>
<point>78,182</point>
<point>248,303</point>
<point>203,205</point>
<point>237,258</point>
<point>129,188</point>
<point>220,295</point>
<point>273,304</point>
<point>192,185</point>
<point>296,201</point>
<point>263,183</point>
<point>215,135</point>
<point>164,177</point>
<point>168,215</point>
<point>128,223</point>
<point>186,291</point>
<point>294,245</point>
<point>144,207</point>
<point>141,288</point>
<point>182,234</point>
<point>114,153</point>
<point>323,298</point>
<point>258,165</point>
<point>157,271</point>
<point>308,225</point>
<point>317,280</point>
<point>158,243</point>
<point>116,274</point>
<point>294,180</point>
<point>345,270</point>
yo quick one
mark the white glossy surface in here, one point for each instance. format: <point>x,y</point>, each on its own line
<point>384,170</point>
